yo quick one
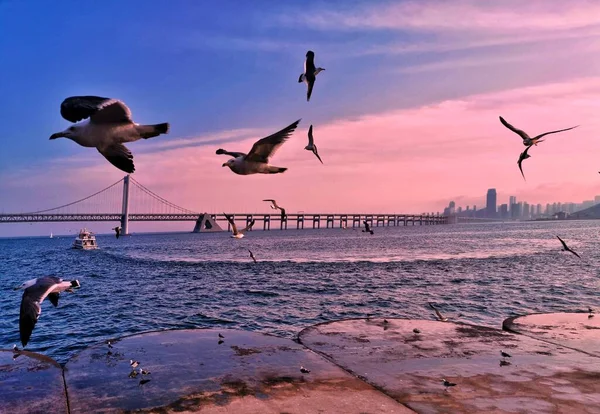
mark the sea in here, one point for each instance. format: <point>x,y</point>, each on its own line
<point>474,273</point>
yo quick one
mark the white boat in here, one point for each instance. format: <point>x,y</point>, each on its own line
<point>85,240</point>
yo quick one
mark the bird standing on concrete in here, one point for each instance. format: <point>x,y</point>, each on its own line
<point>108,128</point>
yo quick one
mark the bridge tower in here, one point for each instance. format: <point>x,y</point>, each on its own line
<point>125,209</point>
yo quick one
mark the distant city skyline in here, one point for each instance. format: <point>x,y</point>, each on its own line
<point>518,209</point>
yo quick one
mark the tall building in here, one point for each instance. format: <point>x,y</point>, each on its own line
<point>526,212</point>
<point>512,200</point>
<point>490,205</point>
<point>503,211</point>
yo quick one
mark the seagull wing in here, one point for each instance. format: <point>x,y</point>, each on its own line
<point>98,109</point>
<point>248,227</point>
<point>53,298</point>
<point>310,85</point>
<point>316,153</point>
<point>563,243</point>
<point>230,220</point>
<point>574,252</point>
<point>266,147</point>
<point>221,151</point>
<point>119,156</point>
<point>554,132</point>
<point>523,134</point>
<point>437,312</point>
<point>31,305</point>
<point>310,136</point>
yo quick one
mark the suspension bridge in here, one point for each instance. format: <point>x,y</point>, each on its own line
<point>128,200</point>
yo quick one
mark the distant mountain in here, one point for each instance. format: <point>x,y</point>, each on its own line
<point>591,213</point>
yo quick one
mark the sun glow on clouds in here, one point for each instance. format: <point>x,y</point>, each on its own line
<point>397,161</point>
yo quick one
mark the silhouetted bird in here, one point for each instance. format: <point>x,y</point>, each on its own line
<point>367,228</point>
<point>527,140</point>
<point>522,157</point>
<point>311,144</point>
<point>310,73</point>
<point>566,248</point>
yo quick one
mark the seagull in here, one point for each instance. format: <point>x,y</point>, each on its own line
<point>527,140</point>
<point>448,383</point>
<point>417,331</point>
<point>134,364</point>
<point>304,370</point>
<point>522,157</point>
<point>504,363</point>
<point>108,128</point>
<point>505,355</point>
<point>144,372</point>
<point>252,255</point>
<point>367,227</point>
<point>437,312</point>
<point>274,206</point>
<point>117,231</point>
<point>109,344</point>
<point>221,336</point>
<point>238,234</point>
<point>133,374</point>
<point>36,290</point>
<point>257,160</point>
<point>566,248</point>
<point>311,144</point>
<point>310,73</point>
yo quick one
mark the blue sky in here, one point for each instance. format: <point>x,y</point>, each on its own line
<point>211,69</point>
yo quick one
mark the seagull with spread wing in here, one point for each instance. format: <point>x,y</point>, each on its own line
<point>310,73</point>
<point>311,144</point>
<point>441,317</point>
<point>522,157</point>
<point>235,233</point>
<point>275,206</point>
<point>109,126</point>
<point>252,255</point>
<point>567,248</point>
<point>36,290</point>
<point>367,227</point>
<point>257,160</point>
<point>527,140</point>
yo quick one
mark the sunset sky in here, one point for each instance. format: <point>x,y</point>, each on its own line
<point>405,116</point>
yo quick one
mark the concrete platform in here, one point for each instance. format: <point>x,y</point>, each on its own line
<point>192,372</point>
<point>30,383</point>
<point>542,377</point>
<point>572,330</point>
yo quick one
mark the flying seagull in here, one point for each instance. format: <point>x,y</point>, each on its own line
<point>252,255</point>
<point>117,231</point>
<point>522,157</point>
<point>238,234</point>
<point>274,206</point>
<point>441,317</point>
<point>367,227</point>
<point>527,140</point>
<point>566,248</point>
<point>36,290</point>
<point>311,144</point>
<point>310,73</point>
<point>304,370</point>
<point>257,160</point>
<point>448,383</point>
<point>108,128</point>
<point>505,355</point>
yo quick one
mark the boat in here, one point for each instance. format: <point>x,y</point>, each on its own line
<point>85,240</point>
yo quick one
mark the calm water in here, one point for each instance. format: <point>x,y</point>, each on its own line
<point>486,272</point>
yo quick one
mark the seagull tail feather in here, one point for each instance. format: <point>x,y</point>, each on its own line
<point>276,170</point>
<point>150,131</point>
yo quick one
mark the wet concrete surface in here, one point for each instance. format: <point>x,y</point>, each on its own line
<point>30,383</point>
<point>193,371</point>
<point>573,330</point>
<point>541,378</point>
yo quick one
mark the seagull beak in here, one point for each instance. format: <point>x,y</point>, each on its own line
<point>57,135</point>
<point>224,164</point>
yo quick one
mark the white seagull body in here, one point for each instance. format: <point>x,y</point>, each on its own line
<point>310,73</point>
<point>238,234</point>
<point>311,144</point>
<point>36,290</point>
<point>109,126</point>
<point>257,160</point>
<point>527,140</point>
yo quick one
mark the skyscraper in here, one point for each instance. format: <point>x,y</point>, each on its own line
<point>490,206</point>
<point>512,200</point>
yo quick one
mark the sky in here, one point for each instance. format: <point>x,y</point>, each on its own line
<point>405,115</point>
